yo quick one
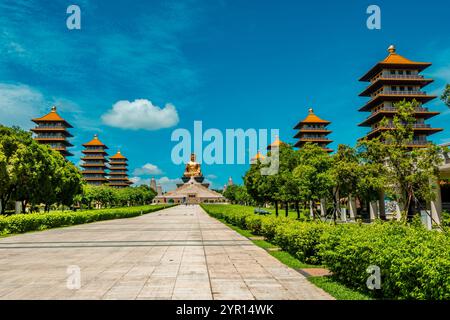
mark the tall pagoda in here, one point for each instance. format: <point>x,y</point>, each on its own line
<point>94,165</point>
<point>392,80</point>
<point>51,130</point>
<point>153,184</point>
<point>118,177</point>
<point>313,129</point>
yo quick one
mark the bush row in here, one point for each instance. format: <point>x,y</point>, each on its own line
<point>414,262</point>
<point>20,223</point>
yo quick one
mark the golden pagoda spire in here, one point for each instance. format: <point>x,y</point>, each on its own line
<point>391,49</point>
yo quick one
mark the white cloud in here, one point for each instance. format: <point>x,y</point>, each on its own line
<point>19,103</point>
<point>168,183</point>
<point>165,182</point>
<point>140,114</point>
<point>147,169</point>
<point>137,181</point>
<point>211,176</point>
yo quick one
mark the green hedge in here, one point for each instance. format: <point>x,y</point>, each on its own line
<point>414,262</point>
<point>20,223</point>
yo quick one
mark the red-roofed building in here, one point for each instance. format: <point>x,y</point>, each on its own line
<point>51,130</point>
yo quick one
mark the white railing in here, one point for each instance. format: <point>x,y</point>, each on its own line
<point>418,109</point>
<point>405,92</point>
<point>313,128</point>
<point>314,138</point>
<point>391,126</point>
<point>402,76</point>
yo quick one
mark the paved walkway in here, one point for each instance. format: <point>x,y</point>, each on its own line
<point>176,253</point>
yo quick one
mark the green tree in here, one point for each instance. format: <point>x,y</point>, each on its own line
<point>407,170</point>
<point>313,174</point>
<point>237,194</point>
<point>446,95</point>
<point>288,191</point>
<point>373,177</point>
<point>346,171</point>
<point>33,173</point>
<point>256,184</point>
<point>231,193</point>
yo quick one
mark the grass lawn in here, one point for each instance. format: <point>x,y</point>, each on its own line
<point>337,290</point>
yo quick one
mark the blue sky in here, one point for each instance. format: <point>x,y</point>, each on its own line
<point>232,64</point>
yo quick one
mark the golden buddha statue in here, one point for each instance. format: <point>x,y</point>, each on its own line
<point>192,168</point>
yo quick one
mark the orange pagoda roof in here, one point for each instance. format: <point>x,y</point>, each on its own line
<point>394,60</point>
<point>276,143</point>
<point>312,118</point>
<point>52,116</point>
<point>258,156</point>
<point>95,142</point>
<point>118,155</point>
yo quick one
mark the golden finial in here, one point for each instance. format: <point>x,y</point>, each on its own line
<point>53,108</point>
<point>391,49</point>
<point>311,110</point>
<point>95,136</point>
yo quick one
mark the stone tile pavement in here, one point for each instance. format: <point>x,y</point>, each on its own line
<point>176,253</point>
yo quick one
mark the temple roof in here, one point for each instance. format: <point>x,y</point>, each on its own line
<point>312,118</point>
<point>118,155</point>
<point>189,188</point>
<point>276,143</point>
<point>394,60</point>
<point>95,142</point>
<point>52,116</point>
<point>258,156</point>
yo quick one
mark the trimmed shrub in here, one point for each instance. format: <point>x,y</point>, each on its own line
<point>301,239</point>
<point>414,262</point>
<point>20,223</point>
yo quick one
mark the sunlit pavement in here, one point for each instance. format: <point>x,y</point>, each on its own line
<point>176,253</point>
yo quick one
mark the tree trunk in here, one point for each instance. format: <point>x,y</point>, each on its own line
<point>2,206</point>
<point>311,209</point>
<point>24,206</point>
<point>368,207</point>
<point>286,208</point>
<point>297,209</point>
<point>276,208</point>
